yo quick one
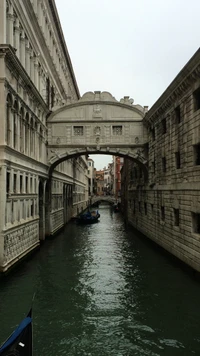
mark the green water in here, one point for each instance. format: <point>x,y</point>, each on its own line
<point>101,290</point>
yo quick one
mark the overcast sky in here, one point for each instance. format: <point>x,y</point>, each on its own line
<point>129,47</point>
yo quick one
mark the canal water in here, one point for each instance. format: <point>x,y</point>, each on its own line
<point>102,290</point>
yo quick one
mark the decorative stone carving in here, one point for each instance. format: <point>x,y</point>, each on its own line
<point>97,130</point>
<point>97,111</point>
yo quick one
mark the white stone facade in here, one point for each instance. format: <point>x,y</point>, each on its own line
<point>36,75</point>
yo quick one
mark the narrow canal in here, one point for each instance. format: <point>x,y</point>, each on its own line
<point>101,290</point>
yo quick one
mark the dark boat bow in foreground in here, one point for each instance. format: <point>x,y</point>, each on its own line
<point>19,342</point>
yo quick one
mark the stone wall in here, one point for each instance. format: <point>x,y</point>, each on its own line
<point>166,206</point>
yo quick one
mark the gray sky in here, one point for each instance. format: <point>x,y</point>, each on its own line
<point>129,47</point>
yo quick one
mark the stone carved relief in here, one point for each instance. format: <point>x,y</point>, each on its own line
<point>97,130</point>
<point>19,241</point>
<point>97,111</point>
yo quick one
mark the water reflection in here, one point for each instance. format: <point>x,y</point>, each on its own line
<point>101,290</point>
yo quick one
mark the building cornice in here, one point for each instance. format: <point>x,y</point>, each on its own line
<point>177,88</point>
<point>63,44</point>
<point>42,43</point>
<point>19,72</point>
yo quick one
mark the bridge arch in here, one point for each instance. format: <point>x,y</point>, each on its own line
<point>97,124</point>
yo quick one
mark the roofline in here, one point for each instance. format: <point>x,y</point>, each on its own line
<point>63,44</point>
<point>193,62</point>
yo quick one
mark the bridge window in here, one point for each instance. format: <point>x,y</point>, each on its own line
<point>145,208</point>
<point>196,222</point>
<point>78,130</point>
<point>197,154</point>
<point>117,130</point>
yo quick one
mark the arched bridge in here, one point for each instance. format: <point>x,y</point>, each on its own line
<point>97,124</point>
<point>107,198</point>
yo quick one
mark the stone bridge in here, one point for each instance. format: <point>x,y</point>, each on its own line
<point>107,198</point>
<point>97,124</point>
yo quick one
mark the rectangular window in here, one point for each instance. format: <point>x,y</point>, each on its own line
<point>21,183</point>
<point>134,206</point>
<point>139,207</point>
<point>162,213</point>
<point>153,167</point>
<point>15,183</point>
<point>196,99</point>
<point>164,164</point>
<point>145,208</point>
<point>176,217</point>
<point>164,126</point>
<point>78,130</point>
<point>197,154</point>
<point>196,223</point>
<point>153,134</point>
<point>8,183</point>
<point>117,130</point>
<point>26,184</point>
<point>178,114</point>
<point>152,208</point>
<point>178,160</point>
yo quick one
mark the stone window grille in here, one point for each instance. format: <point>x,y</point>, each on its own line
<point>196,99</point>
<point>164,126</point>
<point>117,130</point>
<point>162,213</point>
<point>196,222</point>
<point>164,164</point>
<point>78,130</point>
<point>176,217</point>
<point>152,208</point>
<point>145,208</point>
<point>178,159</point>
<point>178,114</point>
<point>197,154</point>
<point>153,134</point>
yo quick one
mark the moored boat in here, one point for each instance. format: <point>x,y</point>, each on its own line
<point>19,343</point>
<point>90,217</point>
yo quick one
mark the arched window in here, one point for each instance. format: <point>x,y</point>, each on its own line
<point>15,125</point>
<point>27,134</point>
<point>32,136</point>
<point>21,133</point>
<point>40,142</point>
<point>8,120</point>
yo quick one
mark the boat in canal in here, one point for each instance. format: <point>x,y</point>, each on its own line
<point>19,343</point>
<point>90,217</point>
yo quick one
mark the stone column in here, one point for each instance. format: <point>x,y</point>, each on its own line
<point>10,26</point>
<point>22,49</point>
<point>36,74</point>
<point>27,60</point>
<point>3,209</point>
<point>3,106</point>
<point>3,21</point>
<point>17,37</point>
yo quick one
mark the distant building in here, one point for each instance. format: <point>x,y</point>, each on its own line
<point>117,166</point>
<point>100,182</point>
<point>91,177</point>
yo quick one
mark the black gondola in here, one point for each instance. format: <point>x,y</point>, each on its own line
<point>20,341</point>
<point>90,217</point>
